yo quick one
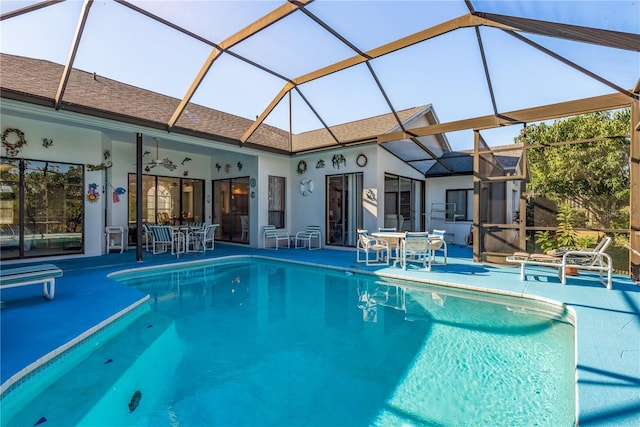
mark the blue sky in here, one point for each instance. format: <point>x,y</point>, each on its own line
<point>446,71</point>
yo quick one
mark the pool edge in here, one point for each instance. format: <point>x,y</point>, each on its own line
<point>19,376</point>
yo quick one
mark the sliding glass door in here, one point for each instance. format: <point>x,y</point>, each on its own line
<point>41,208</point>
<point>231,209</point>
<point>344,208</point>
<point>166,201</point>
<point>403,203</point>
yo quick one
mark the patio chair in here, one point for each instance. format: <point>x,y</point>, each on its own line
<point>308,236</point>
<point>202,240</point>
<point>393,242</point>
<point>594,259</point>
<point>244,222</point>
<point>415,247</point>
<point>148,236</point>
<point>438,243</point>
<point>369,245</point>
<point>165,239</point>
<point>277,236</point>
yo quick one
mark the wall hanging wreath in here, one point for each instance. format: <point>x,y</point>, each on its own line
<point>302,167</point>
<point>13,148</point>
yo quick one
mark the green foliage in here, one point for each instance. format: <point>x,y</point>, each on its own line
<point>586,242</point>
<point>565,236</point>
<point>593,175</point>
<point>546,241</point>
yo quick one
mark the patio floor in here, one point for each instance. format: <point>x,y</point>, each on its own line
<point>608,321</point>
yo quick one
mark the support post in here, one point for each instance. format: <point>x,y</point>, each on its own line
<point>634,203</point>
<point>476,197</point>
<point>139,196</point>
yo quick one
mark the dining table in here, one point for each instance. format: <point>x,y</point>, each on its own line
<point>398,237</point>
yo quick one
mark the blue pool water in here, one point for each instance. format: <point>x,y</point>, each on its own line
<point>266,343</point>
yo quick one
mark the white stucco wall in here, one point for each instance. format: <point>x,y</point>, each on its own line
<point>436,192</point>
<point>75,144</point>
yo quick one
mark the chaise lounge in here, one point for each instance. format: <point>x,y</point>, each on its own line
<point>580,259</point>
<point>23,276</point>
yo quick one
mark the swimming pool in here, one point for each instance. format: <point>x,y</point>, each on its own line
<point>258,342</point>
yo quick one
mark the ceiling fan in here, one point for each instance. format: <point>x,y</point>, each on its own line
<point>159,162</point>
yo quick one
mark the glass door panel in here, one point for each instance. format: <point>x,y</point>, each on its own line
<point>10,188</point>
<point>166,200</point>
<point>42,208</point>
<point>192,201</point>
<point>231,208</point>
<point>53,209</point>
<point>344,208</point>
<point>403,203</point>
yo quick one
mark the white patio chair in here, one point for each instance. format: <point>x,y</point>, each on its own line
<point>368,245</point>
<point>202,240</point>
<point>244,222</point>
<point>148,236</point>
<point>165,239</point>
<point>393,242</point>
<point>416,248</point>
<point>308,236</point>
<point>438,243</point>
<point>277,236</point>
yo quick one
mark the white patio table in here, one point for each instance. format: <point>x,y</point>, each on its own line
<point>399,236</point>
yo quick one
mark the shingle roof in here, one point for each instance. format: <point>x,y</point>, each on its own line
<point>37,81</point>
<point>97,95</point>
<point>352,131</point>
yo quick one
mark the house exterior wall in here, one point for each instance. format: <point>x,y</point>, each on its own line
<point>84,140</point>
<point>436,192</point>
<point>311,209</point>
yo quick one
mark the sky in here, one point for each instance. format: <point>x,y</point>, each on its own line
<point>446,71</point>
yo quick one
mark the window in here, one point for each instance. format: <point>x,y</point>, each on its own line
<point>276,201</point>
<point>462,200</point>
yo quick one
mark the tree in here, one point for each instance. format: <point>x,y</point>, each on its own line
<point>592,175</point>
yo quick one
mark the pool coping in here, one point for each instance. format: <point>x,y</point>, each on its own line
<point>34,368</point>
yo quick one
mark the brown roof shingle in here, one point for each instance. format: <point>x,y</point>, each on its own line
<point>36,80</point>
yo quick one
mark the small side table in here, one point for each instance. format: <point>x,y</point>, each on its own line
<point>116,239</point>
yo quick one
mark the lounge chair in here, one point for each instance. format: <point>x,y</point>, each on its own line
<point>23,276</point>
<point>308,236</point>
<point>277,236</point>
<point>368,245</point>
<point>415,247</point>
<point>580,259</point>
